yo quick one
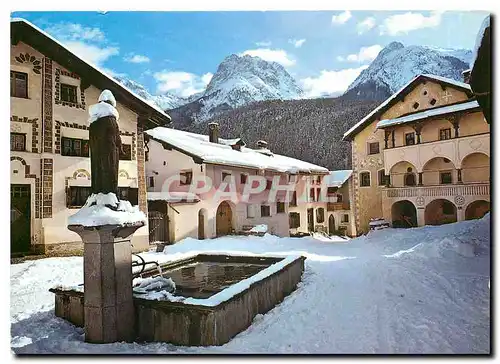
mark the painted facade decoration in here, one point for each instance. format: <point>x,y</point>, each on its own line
<point>49,140</point>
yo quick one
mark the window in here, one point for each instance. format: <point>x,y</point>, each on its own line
<point>68,93</point>
<point>75,147</point>
<point>415,105</point>
<point>292,178</point>
<point>294,220</point>
<point>186,177</point>
<point>339,197</point>
<point>381,177</point>
<point>243,178</point>
<point>265,210</point>
<point>433,102</point>
<point>269,184</point>
<point>126,152</point>
<point>331,190</point>
<point>151,181</point>
<point>373,148</point>
<point>226,175</point>
<point>17,142</point>
<point>128,194</point>
<point>250,211</point>
<point>77,196</point>
<point>345,218</point>
<point>425,92</point>
<point>410,179</point>
<point>364,178</point>
<point>18,84</point>
<point>294,199</point>
<point>320,215</point>
<point>409,138</point>
<point>311,195</point>
<point>445,178</point>
<point>280,207</point>
<point>318,194</point>
<point>444,134</point>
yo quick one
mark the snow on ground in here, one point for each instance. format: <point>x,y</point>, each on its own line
<point>420,290</point>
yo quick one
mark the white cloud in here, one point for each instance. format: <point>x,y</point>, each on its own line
<point>341,18</point>
<point>297,43</point>
<point>180,83</point>
<point>272,55</point>
<point>407,22</point>
<point>263,44</point>
<point>136,58</point>
<point>365,54</point>
<point>330,82</point>
<point>92,53</point>
<point>86,42</point>
<point>207,77</point>
<point>340,59</point>
<point>365,25</point>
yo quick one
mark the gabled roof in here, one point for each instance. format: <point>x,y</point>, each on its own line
<point>440,111</point>
<point>202,150</point>
<point>401,93</point>
<point>338,178</point>
<point>26,32</point>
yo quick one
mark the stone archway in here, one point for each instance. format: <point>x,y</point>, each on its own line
<point>224,219</point>
<point>476,168</point>
<point>440,212</point>
<point>477,209</point>
<point>404,214</point>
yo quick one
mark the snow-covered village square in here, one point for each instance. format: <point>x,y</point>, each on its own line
<point>257,190</point>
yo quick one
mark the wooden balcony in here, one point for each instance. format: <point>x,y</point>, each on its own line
<point>473,189</point>
<point>336,206</point>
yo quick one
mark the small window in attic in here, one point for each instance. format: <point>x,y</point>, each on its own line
<point>433,102</point>
<point>425,92</point>
<point>415,105</point>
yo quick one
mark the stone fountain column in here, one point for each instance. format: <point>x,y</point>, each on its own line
<point>106,226</point>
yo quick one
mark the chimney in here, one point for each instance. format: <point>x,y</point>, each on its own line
<point>213,132</point>
<point>262,144</point>
<point>466,75</point>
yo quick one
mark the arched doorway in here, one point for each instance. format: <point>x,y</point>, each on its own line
<point>202,217</point>
<point>440,212</point>
<point>224,219</point>
<point>331,225</point>
<point>404,214</point>
<point>477,209</point>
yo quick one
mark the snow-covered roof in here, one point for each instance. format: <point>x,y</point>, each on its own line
<point>219,153</point>
<point>172,197</point>
<point>393,97</point>
<point>104,74</point>
<point>470,105</point>
<point>479,38</point>
<point>337,178</point>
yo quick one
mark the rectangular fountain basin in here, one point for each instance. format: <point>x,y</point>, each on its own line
<point>221,294</point>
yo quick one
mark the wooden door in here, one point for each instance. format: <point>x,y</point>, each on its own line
<point>20,218</point>
<point>201,225</point>
<point>310,220</point>
<point>331,225</point>
<point>224,220</point>
<point>158,226</point>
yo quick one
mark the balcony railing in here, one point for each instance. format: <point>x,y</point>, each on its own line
<point>335,206</point>
<point>477,189</point>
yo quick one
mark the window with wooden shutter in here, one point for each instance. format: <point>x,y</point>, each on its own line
<point>68,93</point>
<point>18,142</point>
<point>265,210</point>
<point>18,84</point>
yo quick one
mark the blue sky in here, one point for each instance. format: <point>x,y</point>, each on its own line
<point>179,51</point>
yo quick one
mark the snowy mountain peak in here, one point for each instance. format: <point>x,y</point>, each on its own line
<point>396,64</point>
<point>241,80</point>
<point>165,101</point>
